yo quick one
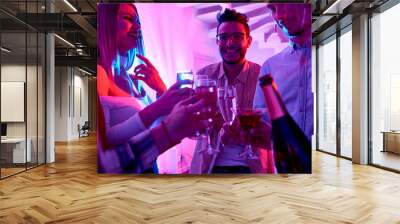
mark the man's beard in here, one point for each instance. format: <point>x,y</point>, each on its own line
<point>240,59</point>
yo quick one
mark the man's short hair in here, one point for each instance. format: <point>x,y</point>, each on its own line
<point>230,15</point>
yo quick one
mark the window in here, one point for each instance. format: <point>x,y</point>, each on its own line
<point>385,89</point>
<point>327,96</point>
<point>346,92</point>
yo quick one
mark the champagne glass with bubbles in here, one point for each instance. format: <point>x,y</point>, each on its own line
<point>206,89</point>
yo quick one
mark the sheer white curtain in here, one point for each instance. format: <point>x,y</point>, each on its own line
<point>175,40</point>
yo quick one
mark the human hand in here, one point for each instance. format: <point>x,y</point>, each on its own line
<point>149,74</point>
<point>232,134</point>
<point>170,98</point>
<point>183,120</point>
<point>261,135</point>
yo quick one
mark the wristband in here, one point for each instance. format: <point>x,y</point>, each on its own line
<point>266,80</point>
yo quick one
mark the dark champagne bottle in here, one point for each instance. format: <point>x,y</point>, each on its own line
<point>292,149</point>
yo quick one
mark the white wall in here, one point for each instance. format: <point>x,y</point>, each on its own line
<point>33,126</point>
<point>79,117</point>
<point>16,73</point>
<point>12,73</point>
<point>71,94</point>
<point>61,103</point>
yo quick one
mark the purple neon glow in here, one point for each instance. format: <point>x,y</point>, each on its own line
<point>182,37</point>
<point>177,38</point>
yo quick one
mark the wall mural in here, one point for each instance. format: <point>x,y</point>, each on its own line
<point>204,88</point>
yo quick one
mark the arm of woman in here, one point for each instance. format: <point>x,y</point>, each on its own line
<point>106,87</point>
<point>121,119</point>
<point>164,104</point>
<point>182,122</point>
<point>124,119</point>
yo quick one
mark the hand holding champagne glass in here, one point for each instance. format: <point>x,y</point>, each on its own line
<point>248,119</point>
<point>206,89</point>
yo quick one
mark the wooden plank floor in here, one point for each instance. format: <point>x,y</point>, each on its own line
<point>70,191</point>
<point>10,171</point>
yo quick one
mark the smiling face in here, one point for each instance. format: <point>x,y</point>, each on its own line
<point>233,41</point>
<point>128,28</point>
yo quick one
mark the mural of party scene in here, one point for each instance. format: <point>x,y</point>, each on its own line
<point>204,88</point>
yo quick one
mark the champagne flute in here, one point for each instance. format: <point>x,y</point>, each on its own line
<point>227,103</point>
<point>196,79</point>
<point>206,89</point>
<point>248,119</point>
